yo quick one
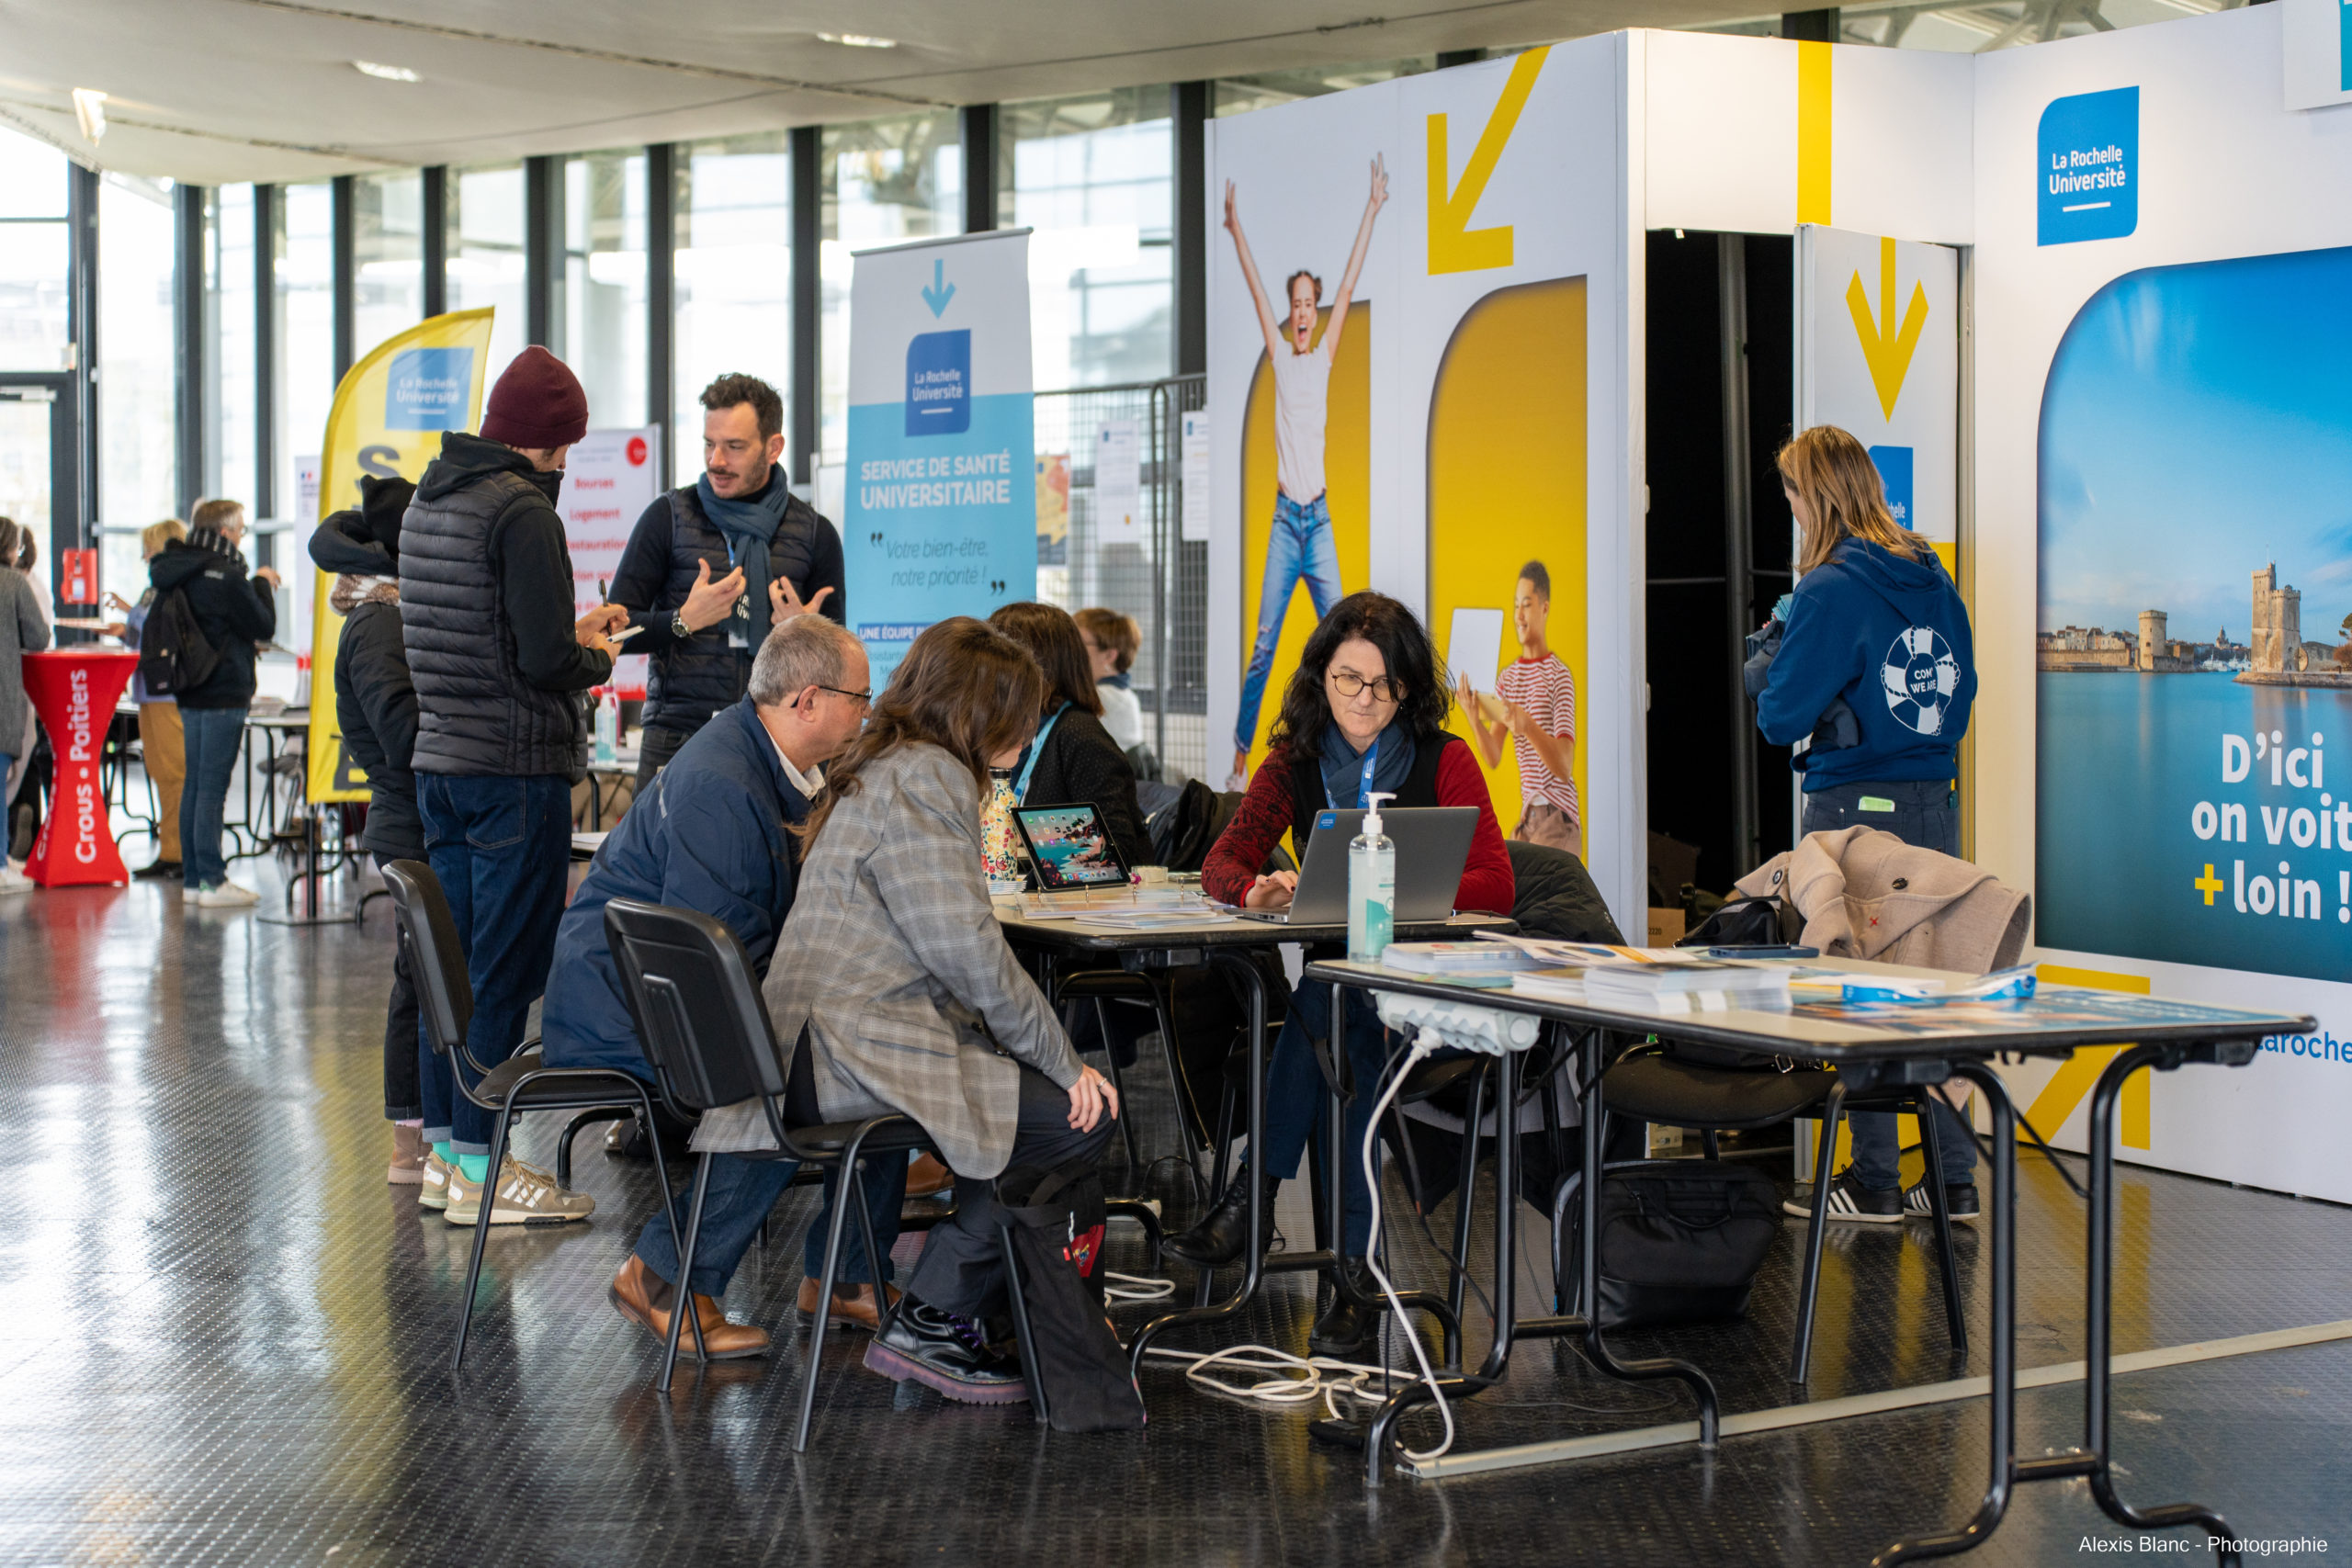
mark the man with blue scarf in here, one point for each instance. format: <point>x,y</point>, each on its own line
<point>711,566</point>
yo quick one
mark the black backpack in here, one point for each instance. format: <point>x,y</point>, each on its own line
<point>1682,1241</point>
<point>174,657</point>
<point>1073,1354</point>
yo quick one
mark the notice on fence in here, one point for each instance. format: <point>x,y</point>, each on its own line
<point>938,517</point>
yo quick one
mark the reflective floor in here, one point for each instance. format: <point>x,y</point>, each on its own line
<point>224,1338</point>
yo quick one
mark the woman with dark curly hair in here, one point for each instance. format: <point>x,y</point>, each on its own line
<point>1365,713</point>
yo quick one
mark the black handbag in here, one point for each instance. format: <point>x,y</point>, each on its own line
<point>1682,1241</point>
<point>1769,922</point>
<point>1055,1218</point>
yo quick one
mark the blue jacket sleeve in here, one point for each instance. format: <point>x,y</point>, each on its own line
<point>1816,662</point>
<point>720,860</point>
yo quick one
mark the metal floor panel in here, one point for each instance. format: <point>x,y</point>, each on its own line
<point>224,1339</point>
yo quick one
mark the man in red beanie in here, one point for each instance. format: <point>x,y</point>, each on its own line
<point>499,664</point>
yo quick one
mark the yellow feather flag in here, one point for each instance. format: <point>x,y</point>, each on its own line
<point>387,418</point>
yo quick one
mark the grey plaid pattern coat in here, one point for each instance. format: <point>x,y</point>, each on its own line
<point>893,959</point>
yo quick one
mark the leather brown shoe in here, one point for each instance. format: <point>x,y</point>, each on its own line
<point>928,1176</point>
<point>643,1297</point>
<point>855,1310</point>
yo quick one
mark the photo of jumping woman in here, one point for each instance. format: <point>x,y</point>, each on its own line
<point>1299,547</point>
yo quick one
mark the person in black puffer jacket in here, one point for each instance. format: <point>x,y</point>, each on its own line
<point>234,611</point>
<point>499,665</point>
<point>1073,759</point>
<point>711,565</point>
<point>375,706</point>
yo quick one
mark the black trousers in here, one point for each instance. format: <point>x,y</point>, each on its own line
<point>962,1267</point>
<point>403,1025</point>
<point>656,745</point>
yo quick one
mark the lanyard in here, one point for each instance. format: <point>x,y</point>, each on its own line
<point>1364,784</point>
<point>1037,749</point>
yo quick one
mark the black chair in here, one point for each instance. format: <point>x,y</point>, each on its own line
<point>1653,1084</point>
<point>699,1015</point>
<point>523,1082</point>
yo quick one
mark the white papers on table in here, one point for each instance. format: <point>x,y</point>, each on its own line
<point>1578,953</point>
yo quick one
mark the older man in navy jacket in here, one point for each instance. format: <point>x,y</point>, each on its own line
<point>711,834</point>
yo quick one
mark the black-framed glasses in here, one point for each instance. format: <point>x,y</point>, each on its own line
<point>1351,685</point>
<point>863,699</point>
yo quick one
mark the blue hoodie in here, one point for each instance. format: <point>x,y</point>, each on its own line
<point>1891,637</point>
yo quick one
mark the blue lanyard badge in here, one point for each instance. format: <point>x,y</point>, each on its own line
<point>1037,749</point>
<point>1364,784</point>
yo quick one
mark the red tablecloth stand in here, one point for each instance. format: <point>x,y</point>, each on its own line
<point>74,690</point>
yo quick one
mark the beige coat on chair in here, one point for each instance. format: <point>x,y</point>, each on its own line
<point>893,957</point>
<point>1866,893</point>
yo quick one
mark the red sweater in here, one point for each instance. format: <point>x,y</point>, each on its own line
<point>1267,811</point>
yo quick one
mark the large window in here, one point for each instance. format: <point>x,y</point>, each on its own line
<point>734,277</point>
<point>388,243</point>
<point>230,441</point>
<point>602,315</point>
<point>137,394</point>
<point>485,259</point>
<point>32,254</point>
<point>1238,95</point>
<point>1091,177</point>
<point>885,181</point>
<point>305,341</point>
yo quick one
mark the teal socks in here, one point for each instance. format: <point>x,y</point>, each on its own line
<point>443,1151</point>
<point>476,1168</point>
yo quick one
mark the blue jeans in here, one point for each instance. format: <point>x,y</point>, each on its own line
<point>1924,817</point>
<point>211,739</point>
<point>1298,1102</point>
<point>500,849</point>
<point>739,1194</point>
<point>1300,548</point>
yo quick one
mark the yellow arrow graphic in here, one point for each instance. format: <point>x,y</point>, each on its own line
<point>1885,350</point>
<point>1454,247</point>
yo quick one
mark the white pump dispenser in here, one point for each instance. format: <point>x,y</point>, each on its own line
<point>1371,886</point>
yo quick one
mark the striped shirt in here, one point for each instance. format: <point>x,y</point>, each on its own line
<point>1545,689</point>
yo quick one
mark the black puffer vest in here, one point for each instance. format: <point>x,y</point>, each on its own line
<point>477,716</point>
<point>1307,798</point>
<point>693,679</point>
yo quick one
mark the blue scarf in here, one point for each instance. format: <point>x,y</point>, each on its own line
<point>749,524</point>
<point>1343,784</point>
<point>1123,680</point>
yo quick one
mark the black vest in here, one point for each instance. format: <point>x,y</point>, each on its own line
<point>1308,800</point>
<point>477,716</point>
<point>692,680</point>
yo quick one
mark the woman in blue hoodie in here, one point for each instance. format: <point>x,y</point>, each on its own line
<point>1873,680</point>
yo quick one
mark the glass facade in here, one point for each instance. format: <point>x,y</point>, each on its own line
<point>304,338</point>
<point>883,181</point>
<point>601,316</point>
<point>138,399</point>
<point>32,254</point>
<point>485,260</point>
<point>232,443</point>
<point>1092,175</point>
<point>388,245</point>
<point>1239,95</point>
<point>734,277</point>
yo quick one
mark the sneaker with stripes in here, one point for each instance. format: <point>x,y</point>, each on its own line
<point>1850,1199</point>
<point>1960,1198</point>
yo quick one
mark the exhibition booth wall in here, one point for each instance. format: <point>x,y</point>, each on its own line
<point>2085,301</point>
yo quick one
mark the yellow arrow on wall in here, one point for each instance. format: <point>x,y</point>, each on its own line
<point>1454,247</point>
<point>1884,349</point>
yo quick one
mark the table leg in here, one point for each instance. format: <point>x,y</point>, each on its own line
<point>2099,1306</point>
<point>1254,1265</point>
<point>2005,1470</point>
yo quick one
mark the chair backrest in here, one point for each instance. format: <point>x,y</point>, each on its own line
<point>444,993</point>
<point>696,1004</point>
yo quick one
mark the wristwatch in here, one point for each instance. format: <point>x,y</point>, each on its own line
<point>678,627</point>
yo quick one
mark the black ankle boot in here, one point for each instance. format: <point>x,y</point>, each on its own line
<point>1346,1329</point>
<point>1223,1234</point>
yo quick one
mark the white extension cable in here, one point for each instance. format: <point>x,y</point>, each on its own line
<point>1302,1379</point>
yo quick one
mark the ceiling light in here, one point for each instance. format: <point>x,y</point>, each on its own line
<point>90,112</point>
<point>859,40</point>
<point>385,72</point>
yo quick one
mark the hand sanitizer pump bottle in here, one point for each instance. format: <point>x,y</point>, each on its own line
<point>1372,888</point>
<point>608,725</point>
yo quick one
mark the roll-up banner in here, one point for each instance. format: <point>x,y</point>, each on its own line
<point>940,509</point>
<point>387,420</point>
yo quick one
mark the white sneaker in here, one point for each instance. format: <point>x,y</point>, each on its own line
<point>225,896</point>
<point>15,881</point>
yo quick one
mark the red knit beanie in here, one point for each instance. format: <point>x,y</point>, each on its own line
<point>537,402</point>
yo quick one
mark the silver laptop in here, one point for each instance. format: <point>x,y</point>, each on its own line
<point>1433,846</point>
